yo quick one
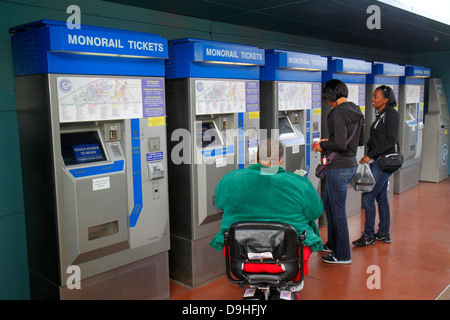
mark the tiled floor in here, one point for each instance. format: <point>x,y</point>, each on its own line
<point>416,265</point>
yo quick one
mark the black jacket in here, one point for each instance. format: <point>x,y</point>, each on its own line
<point>383,133</point>
<point>341,123</point>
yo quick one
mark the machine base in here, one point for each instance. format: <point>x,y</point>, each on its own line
<point>147,279</point>
<point>406,178</point>
<point>194,262</point>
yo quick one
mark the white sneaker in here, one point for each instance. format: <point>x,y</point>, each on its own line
<point>329,258</point>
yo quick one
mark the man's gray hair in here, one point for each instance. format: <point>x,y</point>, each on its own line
<point>270,150</point>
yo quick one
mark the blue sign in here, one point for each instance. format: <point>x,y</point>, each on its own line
<point>154,156</point>
<point>88,152</point>
<point>347,70</point>
<point>292,66</point>
<point>388,69</point>
<point>353,66</point>
<point>417,71</point>
<point>113,43</point>
<point>302,61</point>
<point>117,166</point>
<point>229,53</point>
<point>218,152</point>
<point>89,50</point>
<point>137,175</point>
<point>197,58</point>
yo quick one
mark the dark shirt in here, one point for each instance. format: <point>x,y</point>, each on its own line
<point>341,123</point>
<point>383,133</point>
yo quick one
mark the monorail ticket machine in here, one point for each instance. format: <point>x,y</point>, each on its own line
<point>291,107</point>
<point>353,73</point>
<point>91,114</point>
<point>382,74</point>
<point>213,111</point>
<point>434,164</point>
<point>411,110</point>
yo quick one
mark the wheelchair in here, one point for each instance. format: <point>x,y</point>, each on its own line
<point>266,257</point>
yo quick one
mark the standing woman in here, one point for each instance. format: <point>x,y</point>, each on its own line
<point>383,139</point>
<point>345,124</point>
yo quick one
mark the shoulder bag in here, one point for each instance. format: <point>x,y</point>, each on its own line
<point>390,162</point>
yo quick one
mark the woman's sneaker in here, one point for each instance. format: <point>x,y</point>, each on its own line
<point>326,249</point>
<point>364,241</point>
<point>329,258</point>
<point>383,237</point>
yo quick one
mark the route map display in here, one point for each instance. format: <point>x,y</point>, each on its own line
<point>294,95</point>
<point>226,96</point>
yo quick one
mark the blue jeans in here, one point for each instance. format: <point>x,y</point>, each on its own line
<point>334,204</point>
<point>379,193</point>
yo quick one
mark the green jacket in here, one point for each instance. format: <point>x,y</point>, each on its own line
<point>254,195</point>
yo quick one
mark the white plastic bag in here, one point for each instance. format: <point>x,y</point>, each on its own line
<point>363,180</point>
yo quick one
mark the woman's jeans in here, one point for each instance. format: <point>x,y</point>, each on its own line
<point>379,193</point>
<point>334,204</point>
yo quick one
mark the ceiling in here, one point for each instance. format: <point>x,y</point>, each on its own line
<point>343,21</point>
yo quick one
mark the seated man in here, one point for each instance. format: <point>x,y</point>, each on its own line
<point>266,192</point>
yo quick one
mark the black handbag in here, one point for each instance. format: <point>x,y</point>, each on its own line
<point>391,162</point>
<point>321,169</point>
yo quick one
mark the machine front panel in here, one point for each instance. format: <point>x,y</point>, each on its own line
<point>110,168</point>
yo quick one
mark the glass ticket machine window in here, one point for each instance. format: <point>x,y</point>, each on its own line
<point>291,132</point>
<point>286,129</point>
<point>410,112</point>
<point>208,135</point>
<point>291,127</point>
<point>411,121</point>
<point>82,147</point>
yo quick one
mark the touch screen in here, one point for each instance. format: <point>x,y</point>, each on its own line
<point>285,128</point>
<point>209,135</point>
<point>81,147</point>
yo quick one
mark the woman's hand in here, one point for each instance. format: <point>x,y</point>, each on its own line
<point>317,147</point>
<point>364,159</point>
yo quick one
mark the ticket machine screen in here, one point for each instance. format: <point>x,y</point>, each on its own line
<point>81,147</point>
<point>209,135</point>
<point>286,129</point>
<point>410,112</point>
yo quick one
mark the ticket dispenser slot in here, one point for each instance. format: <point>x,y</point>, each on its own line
<point>156,170</point>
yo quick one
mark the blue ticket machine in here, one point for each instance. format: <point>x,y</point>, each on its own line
<point>411,109</point>
<point>353,73</point>
<point>91,111</point>
<point>291,107</point>
<point>213,128</point>
<point>382,74</point>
